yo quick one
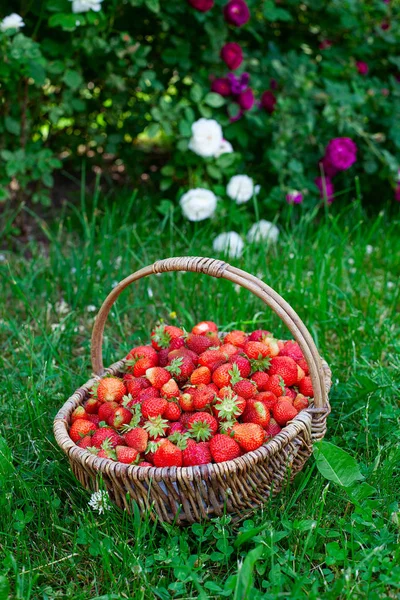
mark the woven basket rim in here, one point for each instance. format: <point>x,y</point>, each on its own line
<point>60,427</point>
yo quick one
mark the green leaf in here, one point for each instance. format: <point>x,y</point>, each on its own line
<point>358,492</point>
<point>4,587</point>
<point>244,581</point>
<point>73,79</point>
<point>153,5</point>
<point>273,13</point>
<point>69,22</point>
<point>12,125</point>
<point>6,465</point>
<point>214,100</point>
<point>214,172</point>
<point>336,465</point>
<point>196,93</point>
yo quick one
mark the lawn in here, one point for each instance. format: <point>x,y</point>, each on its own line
<point>339,272</point>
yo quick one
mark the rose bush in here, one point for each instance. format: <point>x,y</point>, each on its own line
<point>302,98</point>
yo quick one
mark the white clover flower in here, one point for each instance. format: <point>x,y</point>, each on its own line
<point>100,501</point>
<point>91,308</point>
<point>198,204</point>
<point>241,188</point>
<point>369,249</point>
<point>225,147</point>
<point>262,231</point>
<point>206,137</point>
<point>229,243</point>
<point>62,308</point>
<point>13,21</point>
<point>81,6</point>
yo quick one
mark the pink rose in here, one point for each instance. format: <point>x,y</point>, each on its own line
<point>236,12</point>
<point>202,5</point>
<point>232,55</point>
<point>221,86</point>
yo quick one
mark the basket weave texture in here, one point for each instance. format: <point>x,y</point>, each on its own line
<point>185,495</point>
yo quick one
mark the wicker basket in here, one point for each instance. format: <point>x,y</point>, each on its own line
<point>189,494</point>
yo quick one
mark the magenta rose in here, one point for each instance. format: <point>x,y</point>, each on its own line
<point>236,12</point>
<point>239,84</point>
<point>294,197</point>
<point>202,5</point>
<point>362,67</point>
<point>246,99</point>
<point>325,45</point>
<point>221,86</point>
<point>397,193</point>
<point>326,188</point>
<point>232,55</point>
<point>268,101</point>
<point>328,169</point>
<point>341,153</point>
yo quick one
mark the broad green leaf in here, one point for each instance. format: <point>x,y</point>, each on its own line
<point>196,93</point>
<point>214,100</point>
<point>244,581</point>
<point>360,491</point>
<point>4,588</point>
<point>335,464</point>
<point>73,79</point>
<point>12,125</point>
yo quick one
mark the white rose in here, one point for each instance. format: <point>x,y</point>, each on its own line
<point>241,188</point>
<point>198,204</point>
<point>224,148</point>
<point>81,6</point>
<point>13,21</point>
<point>206,137</point>
<point>230,243</point>
<point>263,231</point>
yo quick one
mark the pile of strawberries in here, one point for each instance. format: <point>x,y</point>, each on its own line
<point>194,398</point>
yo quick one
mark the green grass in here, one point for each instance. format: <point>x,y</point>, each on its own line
<point>311,541</point>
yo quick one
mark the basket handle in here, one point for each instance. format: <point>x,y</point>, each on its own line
<point>218,268</point>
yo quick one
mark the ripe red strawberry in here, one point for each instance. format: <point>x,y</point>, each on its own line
<point>276,385</point>
<point>230,406</point>
<point>256,350</point>
<point>150,392</point>
<point>92,406</point>
<point>245,388</point>
<point>79,413</point>
<point>106,433</point>
<point>80,429</point>
<point>249,436</point>
<point>144,463</point>
<point>163,357</point>
<point>200,375</point>
<point>85,442</point>
<point>290,393</point>
<point>172,412</point>
<point>303,364</point>
<point>167,455</point>
<point>196,454</point>
<point>259,335</point>
<point>135,385</point>
<point>212,359</point>
<point>202,397</point>
<point>107,409</point>
<point>153,407</point>
<point>256,412</point>
<point>223,448</point>
<point>204,327</point>
<point>162,335</point>
<point>261,380</point>
<point>202,426</point>
<point>199,343</point>
<point>181,368</point>
<point>141,366</point>
<point>141,352</point>
<point>121,416</point>
<point>292,349</point>
<point>267,398</point>
<point>243,364</point>
<point>176,343</point>
<point>306,387</point>
<point>185,418</point>
<point>137,438</point>
<point>93,419</point>
<point>185,353</point>
<point>111,389</point>
<point>186,402</point>
<point>236,338</point>
<point>300,402</point>
<point>158,376</point>
<point>228,349</point>
<point>170,389</point>
<point>285,367</point>
<point>283,412</point>
<point>273,428</point>
<point>223,374</point>
<point>176,427</point>
<point>126,455</point>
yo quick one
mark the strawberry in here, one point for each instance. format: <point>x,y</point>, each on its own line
<point>202,426</point>
<point>283,411</point>
<point>303,364</point>
<point>228,349</point>
<point>202,397</point>
<point>273,428</point>
<point>243,364</point>
<point>106,410</point>
<point>176,343</point>
<point>163,357</point>
<point>222,375</point>
<point>256,350</point>
<point>186,402</point>
<point>111,389</point>
<point>167,455</point>
<point>200,375</point>
<point>236,338</point>
<point>249,436</point>
<point>137,438</point>
<point>135,385</point>
<point>147,393</point>
<point>293,350</point>
<point>259,335</point>
<point>143,352</point>
<point>153,407</point>
<point>230,406</point>
<point>172,412</point>
<point>120,417</point>
<point>300,374</point>
<point>185,353</point>
<point>306,387</point>
<point>204,327</point>
<point>176,427</point>
<point>276,385</point>
<point>245,388</point>
<point>106,433</point>
<point>162,335</point>
<point>144,463</point>
<point>81,428</point>
<point>199,343</point>
<point>92,406</point>
<point>300,402</point>
<point>170,389</point>
<point>290,393</point>
<point>126,455</point>
<point>107,452</point>
<point>156,427</point>
<point>79,413</point>
<point>285,367</point>
<point>261,379</point>
<point>273,345</point>
<point>142,365</point>
<point>94,419</point>
<point>267,398</point>
<point>256,412</point>
<point>181,368</point>
<point>185,417</point>
<point>212,359</point>
<point>85,442</point>
<point>223,448</point>
<point>196,454</point>
<point>158,376</point>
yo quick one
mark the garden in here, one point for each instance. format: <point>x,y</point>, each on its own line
<point>264,134</point>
